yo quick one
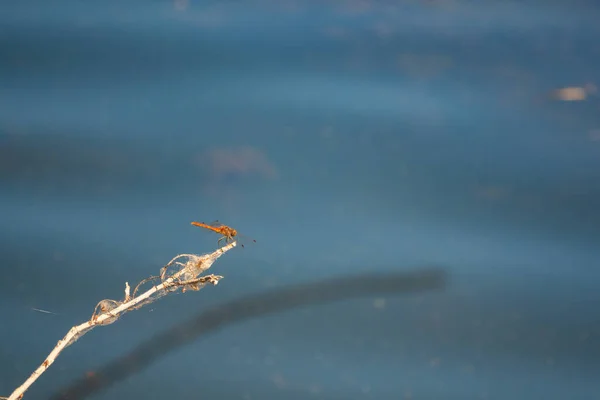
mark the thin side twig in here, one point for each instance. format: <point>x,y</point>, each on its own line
<point>174,276</point>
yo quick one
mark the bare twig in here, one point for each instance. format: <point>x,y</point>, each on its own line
<point>182,272</point>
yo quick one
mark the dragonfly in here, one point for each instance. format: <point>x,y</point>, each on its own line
<point>228,234</point>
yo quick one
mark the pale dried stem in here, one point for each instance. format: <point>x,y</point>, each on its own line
<point>189,271</point>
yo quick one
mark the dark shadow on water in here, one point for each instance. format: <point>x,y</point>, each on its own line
<point>258,305</point>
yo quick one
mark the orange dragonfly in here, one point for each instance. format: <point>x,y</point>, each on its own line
<point>229,234</point>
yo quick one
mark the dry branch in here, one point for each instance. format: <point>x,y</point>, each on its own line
<point>182,272</point>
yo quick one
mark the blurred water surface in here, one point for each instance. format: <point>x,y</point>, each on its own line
<point>349,139</point>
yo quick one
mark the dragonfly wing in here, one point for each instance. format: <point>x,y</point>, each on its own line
<point>243,239</point>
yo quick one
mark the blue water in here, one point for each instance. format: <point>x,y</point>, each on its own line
<point>362,144</point>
